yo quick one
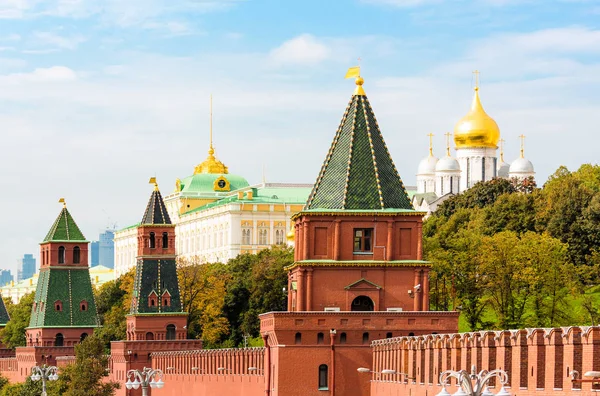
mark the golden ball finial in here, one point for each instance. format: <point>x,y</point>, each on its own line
<point>291,234</point>
<point>360,80</point>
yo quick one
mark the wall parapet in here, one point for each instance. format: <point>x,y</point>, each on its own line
<point>537,360</point>
<point>239,361</point>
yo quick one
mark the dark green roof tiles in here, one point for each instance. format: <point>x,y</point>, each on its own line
<point>64,229</point>
<point>70,288</point>
<point>358,172</point>
<point>156,212</point>
<point>4,318</point>
<point>155,276</point>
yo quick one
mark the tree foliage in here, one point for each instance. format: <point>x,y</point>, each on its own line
<point>13,335</point>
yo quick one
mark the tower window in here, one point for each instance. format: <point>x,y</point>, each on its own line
<point>58,305</point>
<point>298,339</point>
<point>61,255</point>
<point>171,333</point>
<point>365,338</point>
<point>152,242</point>
<point>76,255</point>
<point>320,338</point>
<point>362,240</point>
<point>83,305</point>
<point>323,377</point>
<point>165,240</point>
<point>343,338</point>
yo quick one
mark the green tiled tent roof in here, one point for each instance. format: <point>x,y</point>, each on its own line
<point>156,212</point>
<point>70,287</point>
<point>155,275</point>
<point>358,172</point>
<point>205,182</point>
<point>64,229</point>
<point>4,318</point>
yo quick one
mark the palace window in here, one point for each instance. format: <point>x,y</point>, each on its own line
<point>263,237</point>
<point>246,236</point>
<point>279,235</point>
<point>165,240</point>
<point>362,240</point>
<point>61,255</point>
<point>323,377</point>
<point>76,255</point>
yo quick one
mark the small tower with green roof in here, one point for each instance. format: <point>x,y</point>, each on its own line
<point>156,312</point>
<point>64,312</point>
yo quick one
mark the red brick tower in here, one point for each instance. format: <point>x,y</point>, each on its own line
<point>358,273</point>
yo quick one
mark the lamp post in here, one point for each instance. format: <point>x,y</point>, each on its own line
<point>473,384</point>
<point>145,378</point>
<point>44,373</point>
<point>367,370</point>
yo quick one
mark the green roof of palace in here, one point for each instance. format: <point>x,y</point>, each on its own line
<point>267,195</point>
<point>64,229</point>
<point>205,182</point>
<point>358,172</point>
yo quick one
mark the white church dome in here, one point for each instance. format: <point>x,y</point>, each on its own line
<point>503,170</point>
<point>427,165</point>
<point>521,165</point>
<point>447,164</point>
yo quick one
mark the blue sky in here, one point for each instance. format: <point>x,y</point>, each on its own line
<point>98,95</point>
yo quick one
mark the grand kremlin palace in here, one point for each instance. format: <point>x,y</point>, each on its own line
<point>219,215</point>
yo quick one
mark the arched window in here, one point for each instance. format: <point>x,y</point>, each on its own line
<point>149,336</point>
<point>298,339</point>
<point>165,240</point>
<point>362,303</point>
<point>83,337</point>
<point>152,241</point>
<point>59,340</point>
<point>343,338</point>
<point>76,255</point>
<point>171,335</point>
<point>320,338</point>
<point>61,255</point>
<point>365,338</point>
<point>323,377</point>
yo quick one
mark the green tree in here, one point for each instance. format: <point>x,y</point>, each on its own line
<point>86,376</point>
<point>112,301</point>
<point>482,194</point>
<point>13,335</point>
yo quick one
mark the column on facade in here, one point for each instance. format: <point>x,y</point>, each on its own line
<point>417,290</point>
<point>425,287</point>
<point>336,240</point>
<point>419,241</point>
<point>309,275</point>
<point>297,241</point>
<point>390,241</point>
<point>289,291</point>
<point>300,290</point>
<point>305,240</point>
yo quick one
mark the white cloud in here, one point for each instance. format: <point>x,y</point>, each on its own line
<point>56,40</point>
<point>302,50</point>
<point>50,74</point>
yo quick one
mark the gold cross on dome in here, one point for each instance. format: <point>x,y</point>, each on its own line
<point>430,143</point>
<point>476,76</point>
<point>522,137</point>
<point>448,134</point>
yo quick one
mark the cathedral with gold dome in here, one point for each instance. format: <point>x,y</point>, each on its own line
<point>219,215</point>
<point>476,140</point>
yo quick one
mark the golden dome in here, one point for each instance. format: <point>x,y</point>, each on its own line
<point>291,234</point>
<point>476,129</point>
<point>211,164</point>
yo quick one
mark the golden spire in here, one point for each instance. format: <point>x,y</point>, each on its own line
<point>355,72</point>
<point>502,150</point>
<point>153,181</point>
<point>430,144</point>
<point>62,201</point>
<point>522,137</point>
<point>211,164</point>
<point>477,128</point>
<point>448,134</point>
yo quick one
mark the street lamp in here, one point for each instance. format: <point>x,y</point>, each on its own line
<point>367,370</point>
<point>44,373</point>
<point>145,378</point>
<point>473,384</point>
